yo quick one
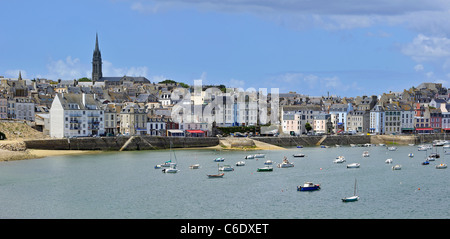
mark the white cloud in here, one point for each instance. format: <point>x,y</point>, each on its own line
<point>67,69</point>
<point>418,67</point>
<point>429,16</point>
<point>426,48</point>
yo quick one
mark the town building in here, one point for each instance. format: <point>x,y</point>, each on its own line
<point>291,124</point>
<point>392,119</point>
<point>133,120</point>
<point>76,115</point>
<point>377,118</point>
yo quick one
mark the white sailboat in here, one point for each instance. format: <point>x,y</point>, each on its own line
<point>172,166</point>
<point>352,198</point>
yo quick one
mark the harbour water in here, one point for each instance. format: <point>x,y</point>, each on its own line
<point>126,185</point>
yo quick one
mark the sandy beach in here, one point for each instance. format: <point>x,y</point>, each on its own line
<point>7,155</point>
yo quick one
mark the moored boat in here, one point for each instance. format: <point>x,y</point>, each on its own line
<point>396,167</point>
<point>260,155</point>
<point>308,186</point>
<point>353,165</point>
<point>250,156</point>
<point>268,162</point>
<point>441,166</point>
<point>388,161</point>
<point>366,154</point>
<point>240,163</point>
<point>298,155</point>
<point>339,159</point>
<point>352,198</point>
<point>171,169</point>
<point>426,162</point>
<point>392,148</point>
<point>220,175</point>
<point>285,164</point>
<point>194,166</point>
<point>226,168</point>
<point>267,168</point>
<point>431,158</point>
<point>219,159</point>
<point>411,155</point>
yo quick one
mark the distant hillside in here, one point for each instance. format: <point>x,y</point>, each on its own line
<point>19,131</point>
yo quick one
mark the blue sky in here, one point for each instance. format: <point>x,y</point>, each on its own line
<point>346,48</point>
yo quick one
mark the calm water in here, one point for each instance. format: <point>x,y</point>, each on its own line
<point>126,185</point>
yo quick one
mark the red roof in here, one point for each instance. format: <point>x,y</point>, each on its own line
<point>424,128</point>
<point>195,131</point>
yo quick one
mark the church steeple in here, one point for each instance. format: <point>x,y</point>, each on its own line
<point>96,62</point>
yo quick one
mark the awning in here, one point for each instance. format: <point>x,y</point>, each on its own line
<point>446,128</point>
<point>195,131</point>
<point>424,128</point>
<point>175,131</point>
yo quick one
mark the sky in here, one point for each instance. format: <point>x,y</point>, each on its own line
<point>337,47</point>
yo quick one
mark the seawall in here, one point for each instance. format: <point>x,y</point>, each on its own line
<point>316,140</point>
<point>157,142</point>
<point>122,143</point>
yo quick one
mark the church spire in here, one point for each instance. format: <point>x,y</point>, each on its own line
<point>96,62</point>
<point>20,76</point>
<point>96,43</point>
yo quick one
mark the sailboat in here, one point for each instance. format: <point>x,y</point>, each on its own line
<point>218,175</point>
<point>172,166</point>
<point>352,198</point>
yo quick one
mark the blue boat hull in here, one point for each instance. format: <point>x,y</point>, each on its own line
<point>316,187</point>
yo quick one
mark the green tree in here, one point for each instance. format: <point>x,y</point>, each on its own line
<point>308,127</point>
<point>84,79</point>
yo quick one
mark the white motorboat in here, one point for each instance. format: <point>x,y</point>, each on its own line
<point>226,168</point>
<point>285,164</point>
<point>439,143</point>
<point>353,165</point>
<point>268,162</point>
<point>260,155</point>
<point>397,167</point>
<point>431,158</point>
<point>194,166</point>
<point>388,161</point>
<point>424,147</point>
<point>219,159</point>
<point>366,154</point>
<point>392,148</point>
<point>441,166</point>
<point>240,163</point>
<point>250,156</point>
<point>339,159</point>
